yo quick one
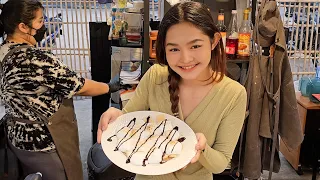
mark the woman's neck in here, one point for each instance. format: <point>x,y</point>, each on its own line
<point>18,39</point>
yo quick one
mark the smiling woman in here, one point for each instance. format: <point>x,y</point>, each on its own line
<point>190,83</point>
<point>190,58</point>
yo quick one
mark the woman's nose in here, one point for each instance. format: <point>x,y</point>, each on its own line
<point>186,57</point>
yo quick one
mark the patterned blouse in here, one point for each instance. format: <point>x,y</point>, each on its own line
<point>43,81</point>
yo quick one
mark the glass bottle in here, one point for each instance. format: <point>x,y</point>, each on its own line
<point>251,27</point>
<point>221,27</point>
<point>244,36</point>
<point>313,87</point>
<point>232,37</point>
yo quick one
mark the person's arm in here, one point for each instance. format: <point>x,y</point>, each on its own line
<point>64,81</point>
<point>217,158</point>
<point>93,88</point>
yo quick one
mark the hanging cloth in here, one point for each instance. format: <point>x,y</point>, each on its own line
<point>272,103</point>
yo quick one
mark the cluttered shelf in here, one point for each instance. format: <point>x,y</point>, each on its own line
<point>117,43</point>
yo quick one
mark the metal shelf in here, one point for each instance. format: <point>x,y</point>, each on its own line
<point>115,43</point>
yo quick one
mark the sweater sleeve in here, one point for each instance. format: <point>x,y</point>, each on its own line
<point>217,158</point>
<point>139,102</point>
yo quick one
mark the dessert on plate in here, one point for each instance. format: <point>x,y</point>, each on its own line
<point>148,141</point>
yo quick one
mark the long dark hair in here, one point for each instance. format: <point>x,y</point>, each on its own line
<point>198,14</point>
<point>14,12</point>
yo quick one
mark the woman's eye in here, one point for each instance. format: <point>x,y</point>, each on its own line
<point>174,50</point>
<point>195,46</point>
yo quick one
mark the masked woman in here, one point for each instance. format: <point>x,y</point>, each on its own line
<point>37,89</point>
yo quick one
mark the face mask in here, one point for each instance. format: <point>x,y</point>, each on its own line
<point>39,33</point>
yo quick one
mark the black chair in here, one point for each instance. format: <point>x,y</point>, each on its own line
<point>36,176</point>
<point>100,166</point>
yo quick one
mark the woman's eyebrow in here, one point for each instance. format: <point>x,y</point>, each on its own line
<point>194,41</point>
<point>171,44</point>
<point>191,42</point>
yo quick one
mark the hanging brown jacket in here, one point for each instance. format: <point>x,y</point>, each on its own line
<point>272,102</point>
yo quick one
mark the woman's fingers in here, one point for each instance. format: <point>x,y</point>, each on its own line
<point>107,117</point>
<point>99,134</point>
<point>202,141</point>
<point>196,157</point>
<point>103,125</point>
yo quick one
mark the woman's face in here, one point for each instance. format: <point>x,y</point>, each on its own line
<point>37,22</point>
<point>188,51</point>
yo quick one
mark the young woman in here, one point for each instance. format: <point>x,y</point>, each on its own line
<point>37,89</point>
<point>190,83</point>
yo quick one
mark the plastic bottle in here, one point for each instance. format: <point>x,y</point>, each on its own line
<point>232,37</point>
<point>221,27</point>
<point>244,36</point>
<point>153,39</point>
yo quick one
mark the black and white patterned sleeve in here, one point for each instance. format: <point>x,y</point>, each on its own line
<point>55,74</point>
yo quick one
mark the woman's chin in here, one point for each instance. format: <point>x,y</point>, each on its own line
<point>188,76</point>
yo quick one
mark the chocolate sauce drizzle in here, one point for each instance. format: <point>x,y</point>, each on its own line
<point>175,129</point>
<point>132,121</point>
<point>179,140</point>
<point>174,147</point>
<point>153,146</point>
<point>144,126</point>
<point>137,149</point>
<point>121,142</point>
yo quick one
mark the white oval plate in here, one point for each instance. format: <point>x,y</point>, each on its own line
<point>175,164</point>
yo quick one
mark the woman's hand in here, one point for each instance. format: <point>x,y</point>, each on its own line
<point>200,146</point>
<point>110,115</point>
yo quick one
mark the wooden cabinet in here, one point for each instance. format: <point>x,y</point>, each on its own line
<point>306,154</point>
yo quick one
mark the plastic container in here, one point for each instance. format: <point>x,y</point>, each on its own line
<point>313,87</point>
<point>153,39</point>
<point>121,3</point>
<point>303,82</point>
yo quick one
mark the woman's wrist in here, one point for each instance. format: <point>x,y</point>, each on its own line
<point>113,87</point>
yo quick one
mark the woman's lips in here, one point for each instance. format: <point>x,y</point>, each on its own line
<point>188,68</point>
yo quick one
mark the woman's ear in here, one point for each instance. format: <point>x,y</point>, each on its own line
<point>216,39</point>
<point>24,28</point>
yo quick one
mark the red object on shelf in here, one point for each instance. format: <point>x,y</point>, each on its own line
<point>232,48</point>
<point>317,96</point>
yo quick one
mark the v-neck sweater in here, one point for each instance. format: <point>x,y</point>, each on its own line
<point>219,116</point>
